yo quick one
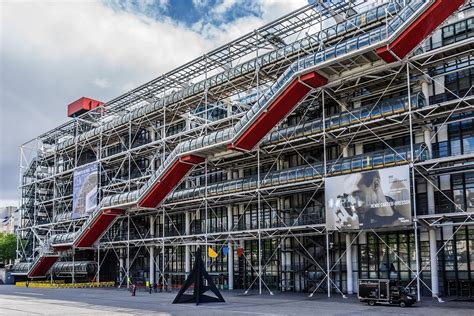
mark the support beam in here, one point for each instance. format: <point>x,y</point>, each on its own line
<point>187,254</point>
<point>98,264</point>
<point>427,140</point>
<point>425,89</point>
<point>345,151</point>
<point>328,265</point>
<point>230,253</point>
<point>350,282</point>
<point>434,264</point>
<point>121,265</point>
<point>429,186</point>
<point>127,262</point>
<point>412,155</point>
<point>152,251</point>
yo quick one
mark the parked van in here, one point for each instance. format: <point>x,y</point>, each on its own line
<point>384,292</point>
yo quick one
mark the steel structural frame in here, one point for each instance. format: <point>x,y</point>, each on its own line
<point>415,117</point>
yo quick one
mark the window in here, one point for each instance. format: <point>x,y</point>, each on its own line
<point>458,31</point>
<point>448,35</point>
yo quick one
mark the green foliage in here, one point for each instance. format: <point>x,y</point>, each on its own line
<point>7,247</point>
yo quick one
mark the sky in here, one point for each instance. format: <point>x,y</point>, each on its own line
<point>53,52</point>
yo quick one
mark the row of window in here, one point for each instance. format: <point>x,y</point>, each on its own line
<point>457,188</point>
<point>458,31</point>
<point>298,265</point>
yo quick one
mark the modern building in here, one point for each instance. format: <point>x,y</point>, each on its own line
<point>331,145</point>
<point>9,219</point>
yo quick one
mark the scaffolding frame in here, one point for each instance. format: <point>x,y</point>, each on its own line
<point>46,151</point>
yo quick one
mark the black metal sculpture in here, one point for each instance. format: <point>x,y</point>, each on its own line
<point>197,277</point>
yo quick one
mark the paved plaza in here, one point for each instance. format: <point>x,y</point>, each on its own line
<point>33,301</point>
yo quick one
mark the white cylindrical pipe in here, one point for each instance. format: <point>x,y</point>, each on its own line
<point>230,265</point>
<point>230,253</point>
<point>187,253</point>
<point>350,281</point>
<point>345,151</point>
<point>427,141</point>
<point>152,251</point>
<point>429,186</point>
<point>425,90</point>
<point>152,265</point>
<point>430,197</point>
<point>121,267</point>
<point>434,264</point>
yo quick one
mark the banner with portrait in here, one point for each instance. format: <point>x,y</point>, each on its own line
<point>370,199</point>
<point>84,191</point>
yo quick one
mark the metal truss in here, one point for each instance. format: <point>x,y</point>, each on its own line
<point>126,161</point>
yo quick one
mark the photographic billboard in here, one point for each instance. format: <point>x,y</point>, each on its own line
<point>370,199</point>
<point>84,191</point>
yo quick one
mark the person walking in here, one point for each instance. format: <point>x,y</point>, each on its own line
<point>133,289</point>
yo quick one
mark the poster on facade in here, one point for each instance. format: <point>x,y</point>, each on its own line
<point>84,191</point>
<point>370,199</point>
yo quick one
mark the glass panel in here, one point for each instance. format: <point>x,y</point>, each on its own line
<point>378,160</point>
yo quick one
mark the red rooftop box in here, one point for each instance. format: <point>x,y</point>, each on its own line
<point>82,105</point>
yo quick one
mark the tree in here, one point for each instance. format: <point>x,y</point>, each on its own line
<point>7,247</point>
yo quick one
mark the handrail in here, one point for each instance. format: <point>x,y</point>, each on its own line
<point>367,161</point>
<point>347,118</point>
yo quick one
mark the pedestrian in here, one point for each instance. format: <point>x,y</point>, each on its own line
<point>155,287</point>
<point>133,289</point>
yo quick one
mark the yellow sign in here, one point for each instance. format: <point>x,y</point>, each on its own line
<point>211,253</point>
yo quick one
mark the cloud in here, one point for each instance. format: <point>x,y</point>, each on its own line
<point>51,53</point>
<point>224,6</point>
<point>102,82</point>
<point>200,3</point>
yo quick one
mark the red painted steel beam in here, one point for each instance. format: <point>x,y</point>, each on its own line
<point>42,267</point>
<point>423,26</point>
<point>278,110</point>
<point>98,226</point>
<point>169,180</point>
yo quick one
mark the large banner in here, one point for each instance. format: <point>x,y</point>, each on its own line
<point>371,199</point>
<point>84,191</point>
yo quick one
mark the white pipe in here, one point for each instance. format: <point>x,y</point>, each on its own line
<point>350,281</point>
<point>434,263</point>
<point>230,253</point>
<point>187,254</point>
<point>152,251</point>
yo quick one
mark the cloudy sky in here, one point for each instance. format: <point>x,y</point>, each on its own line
<point>53,52</point>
